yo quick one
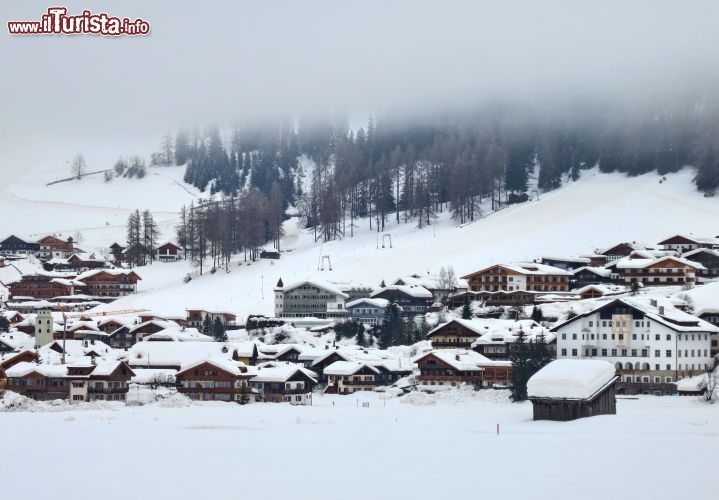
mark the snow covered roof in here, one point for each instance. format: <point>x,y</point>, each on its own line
<point>460,359</point>
<point>328,353</point>
<point>280,372</point>
<point>347,368</point>
<point>661,310</point>
<point>704,299</point>
<point>411,290</point>
<point>701,240</point>
<point>381,303</point>
<point>236,368</point>
<point>628,263</point>
<point>324,285</point>
<point>578,260</point>
<point>601,288</point>
<point>599,271</point>
<point>692,253</point>
<point>526,268</point>
<point>177,334</point>
<point>169,354</point>
<point>571,379</point>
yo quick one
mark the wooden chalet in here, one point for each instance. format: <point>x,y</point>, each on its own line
<point>451,367</point>
<point>568,389</point>
<point>168,252</point>
<point>46,285</point>
<point>319,364</point>
<point>658,272</point>
<point>270,254</point>
<point>529,277</point>
<point>215,380</point>
<point>619,251</point>
<point>348,377</point>
<point>456,334</point>
<point>282,382</point>
<point>709,258</point>
<point>12,245</point>
<point>196,317</point>
<point>684,243</point>
<point>110,282</point>
<point>50,247</point>
<point>118,253</point>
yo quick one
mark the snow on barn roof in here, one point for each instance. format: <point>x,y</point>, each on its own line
<point>24,368</point>
<point>604,289</point>
<point>17,340</point>
<point>279,372</point>
<point>381,303</point>
<point>347,368</point>
<point>328,353</point>
<point>324,285</point>
<point>571,379</point>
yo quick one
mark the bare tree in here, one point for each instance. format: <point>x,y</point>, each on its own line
<point>711,386</point>
<point>78,166</point>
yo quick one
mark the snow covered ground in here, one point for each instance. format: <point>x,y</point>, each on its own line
<point>429,447</point>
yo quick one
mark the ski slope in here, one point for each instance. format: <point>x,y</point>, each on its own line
<point>596,211</point>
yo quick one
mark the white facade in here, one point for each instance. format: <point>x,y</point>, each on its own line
<point>643,349</point>
<point>44,328</point>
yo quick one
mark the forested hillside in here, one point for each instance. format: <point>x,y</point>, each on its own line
<point>409,169</point>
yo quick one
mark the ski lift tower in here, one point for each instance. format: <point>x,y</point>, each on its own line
<point>323,259</point>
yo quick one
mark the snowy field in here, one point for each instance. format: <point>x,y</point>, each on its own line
<point>430,447</point>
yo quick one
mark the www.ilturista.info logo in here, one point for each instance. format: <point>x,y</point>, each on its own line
<point>57,22</point>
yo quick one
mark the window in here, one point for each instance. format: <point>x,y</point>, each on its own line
<point>574,336</point>
<point>657,353</point>
<point>591,323</point>
<point>669,337</point>
<point>634,336</point>
<point>669,353</point>
<point>656,367</point>
<point>621,336</point>
<point>634,353</point>
<point>604,336</point>
<point>604,352</point>
<point>614,352</point>
<point>594,352</point>
<point>564,352</point>
<point>574,352</point>
<point>656,337</point>
<point>564,336</point>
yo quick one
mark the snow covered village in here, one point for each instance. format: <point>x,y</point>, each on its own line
<point>340,250</point>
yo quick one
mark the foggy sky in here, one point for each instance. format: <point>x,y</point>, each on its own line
<point>217,61</point>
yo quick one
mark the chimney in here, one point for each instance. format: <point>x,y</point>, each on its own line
<point>456,357</point>
<point>653,302</point>
<point>661,310</point>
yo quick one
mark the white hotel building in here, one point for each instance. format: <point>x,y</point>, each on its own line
<point>651,344</point>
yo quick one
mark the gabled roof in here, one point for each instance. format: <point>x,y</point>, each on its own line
<point>699,240</point>
<point>419,292</point>
<point>381,303</point>
<point>459,359</point>
<point>668,315</point>
<point>578,379</point>
<point>693,253</point>
<point>627,263</point>
<point>525,268</point>
<point>324,285</point>
<point>599,271</point>
<point>280,372</point>
<point>236,368</point>
<point>348,368</point>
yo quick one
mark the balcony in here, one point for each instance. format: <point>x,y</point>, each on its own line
<point>107,390</point>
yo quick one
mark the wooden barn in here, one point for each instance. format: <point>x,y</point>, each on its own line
<point>568,389</point>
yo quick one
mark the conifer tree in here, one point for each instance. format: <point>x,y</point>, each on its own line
<point>218,330</point>
<point>207,325</point>
<point>466,311</point>
<point>520,357</point>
